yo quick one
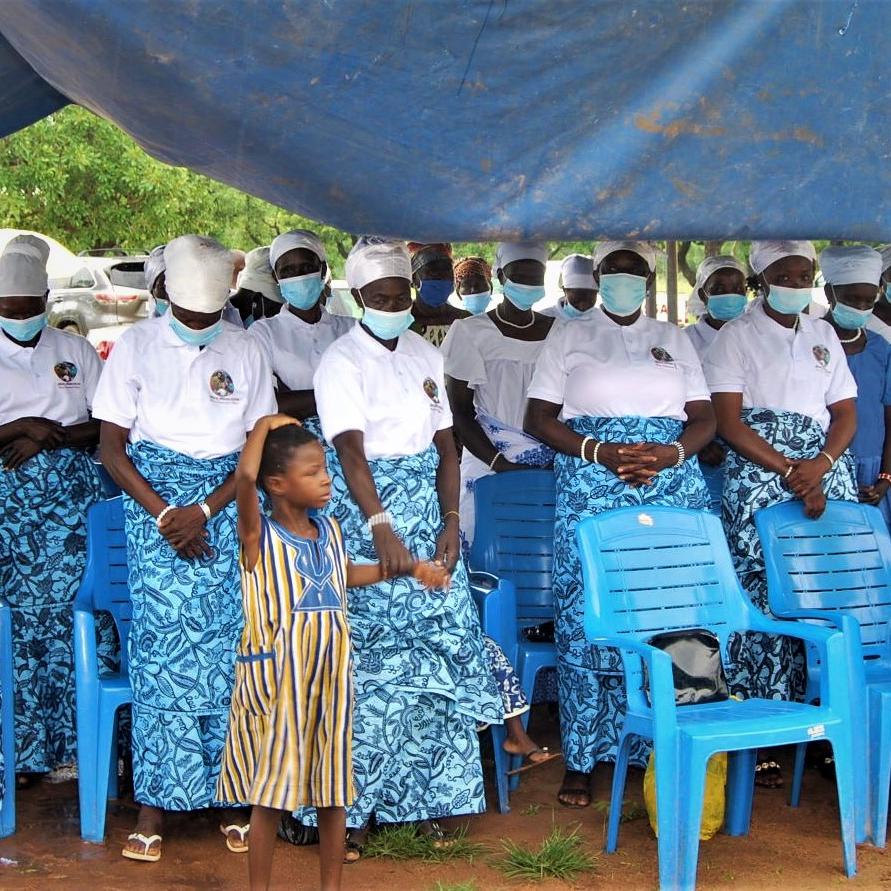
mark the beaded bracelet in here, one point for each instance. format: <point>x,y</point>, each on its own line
<point>585,442</point>
<point>160,518</point>
<point>682,454</point>
<point>492,462</point>
<point>381,519</point>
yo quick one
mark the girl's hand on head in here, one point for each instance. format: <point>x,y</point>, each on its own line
<point>432,575</point>
<point>275,421</point>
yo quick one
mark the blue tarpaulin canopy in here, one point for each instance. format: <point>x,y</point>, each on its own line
<point>482,119</point>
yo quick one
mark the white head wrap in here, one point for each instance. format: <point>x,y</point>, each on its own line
<point>509,252</point>
<point>763,253</point>
<point>154,266</point>
<point>23,267</point>
<point>855,265</point>
<point>373,258</point>
<point>577,271</point>
<point>199,272</point>
<point>643,249</point>
<point>885,251</point>
<point>296,238</point>
<point>257,275</point>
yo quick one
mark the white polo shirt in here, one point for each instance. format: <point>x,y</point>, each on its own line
<point>294,348</point>
<point>396,399</point>
<point>701,335</point>
<point>877,325</point>
<point>779,368</point>
<point>199,402</point>
<point>55,380</point>
<point>605,370</point>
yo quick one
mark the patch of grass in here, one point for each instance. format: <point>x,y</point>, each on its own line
<point>531,810</point>
<point>406,843</point>
<point>631,810</point>
<point>559,856</point>
<point>456,886</point>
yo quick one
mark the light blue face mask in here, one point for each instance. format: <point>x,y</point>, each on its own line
<point>789,301</point>
<point>849,318</point>
<point>161,306</point>
<point>193,337</point>
<point>886,292</point>
<point>387,325</point>
<point>622,294</point>
<point>24,330</point>
<point>523,296</point>
<point>571,314</point>
<point>477,304</point>
<point>302,291</point>
<point>726,307</point>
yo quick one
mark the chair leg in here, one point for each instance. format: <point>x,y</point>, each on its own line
<point>693,769</point>
<point>617,796</point>
<point>668,813</point>
<point>105,734</point>
<point>844,780</point>
<point>113,761</point>
<point>797,775</point>
<point>879,767</point>
<point>740,789</point>
<point>87,771</point>
<point>502,765</point>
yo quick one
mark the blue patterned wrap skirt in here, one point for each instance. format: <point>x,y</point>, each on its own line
<point>765,665</point>
<point>590,683</point>
<point>187,620</point>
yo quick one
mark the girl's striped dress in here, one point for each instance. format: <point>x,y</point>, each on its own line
<point>289,741</point>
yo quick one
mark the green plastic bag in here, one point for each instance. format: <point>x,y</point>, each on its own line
<point>712,802</point>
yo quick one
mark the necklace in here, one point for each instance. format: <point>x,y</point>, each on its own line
<point>851,339</point>
<point>504,321</point>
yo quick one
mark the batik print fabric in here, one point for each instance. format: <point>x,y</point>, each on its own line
<point>43,513</point>
<point>187,619</point>
<point>508,682</point>
<point>422,681</point>
<point>590,683</point>
<point>766,665</point>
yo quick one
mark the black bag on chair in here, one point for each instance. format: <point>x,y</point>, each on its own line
<point>696,665</point>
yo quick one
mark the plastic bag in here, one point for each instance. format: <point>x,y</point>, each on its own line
<point>712,802</point>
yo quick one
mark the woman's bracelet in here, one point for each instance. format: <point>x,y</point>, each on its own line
<point>594,457</point>
<point>205,509</point>
<point>584,445</point>
<point>682,454</point>
<point>451,513</point>
<point>885,476</point>
<point>829,458</point>
<point>383,518</point>
<point>788,472</point>
<point>494,460</point>
<point>160,518</point>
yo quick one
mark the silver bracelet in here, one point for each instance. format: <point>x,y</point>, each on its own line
<point>205,510</point>
<point>160,518</point>
<point>492,462</point>
<point>594,457</point>
<point>585,442</point>
<point>382,519</point>
<point>682,454</point>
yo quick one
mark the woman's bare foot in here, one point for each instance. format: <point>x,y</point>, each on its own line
<point>149,823</point>
<point>518,742</point>
<point>575,790</point>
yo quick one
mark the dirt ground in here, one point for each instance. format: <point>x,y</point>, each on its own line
<point>788,849</point>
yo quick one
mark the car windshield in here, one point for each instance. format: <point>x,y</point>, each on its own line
<point>127,275</point>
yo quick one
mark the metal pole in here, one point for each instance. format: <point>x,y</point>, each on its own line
<point>671,287</point>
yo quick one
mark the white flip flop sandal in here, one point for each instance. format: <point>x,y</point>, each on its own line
<point>146,841</point>
<point>237,847</point>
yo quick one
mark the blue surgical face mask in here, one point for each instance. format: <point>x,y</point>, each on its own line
<point>476,304</point>
<point>622,294</point>
<point>725,307</point>
<point>570,313</point>
<point>849,318</point>
<point>886,292</point>
<point>161,306</point>
<point>193,337</point>
<point>789,301</point>
<point>302,291</point>
<point>435,291</point>
<point>523,296</point>
<point>24,330</point>
<point>387,325</point>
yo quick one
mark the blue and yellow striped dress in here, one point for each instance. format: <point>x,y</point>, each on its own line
<point>289,741</point>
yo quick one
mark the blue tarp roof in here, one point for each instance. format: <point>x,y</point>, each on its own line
<point>491,118</point>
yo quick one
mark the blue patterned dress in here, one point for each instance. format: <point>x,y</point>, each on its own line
<point>43,512</point>
<point>765,665</point>
<point>591,687</point>
<point>187,619</point>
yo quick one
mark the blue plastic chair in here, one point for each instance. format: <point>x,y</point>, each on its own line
<point>104,587</point>
<point>7,722</point>
<point>838,569</point>
<point>648,570</point>
<point>512,559</point>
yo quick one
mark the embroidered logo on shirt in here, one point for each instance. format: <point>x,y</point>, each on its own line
<point>661,355</point>
<point>821,354</point>
<point>221,386</point>
<point>432,390</point>
<point>66,372</point>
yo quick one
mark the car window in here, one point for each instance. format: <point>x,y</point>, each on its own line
<point>83,278</point>
<point>127,275</point>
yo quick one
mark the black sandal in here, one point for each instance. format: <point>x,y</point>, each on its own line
<point>438,837</point>
<point>353,850</point>
<point>294,832</point>
<point>768,775</point>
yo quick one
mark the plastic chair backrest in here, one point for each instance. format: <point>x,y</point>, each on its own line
<point>651,569</point>
<point>840,563</point>
<point>107,567</point>
<point>514,537</point>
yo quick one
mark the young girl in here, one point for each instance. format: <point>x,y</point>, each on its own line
<point>290,725</point>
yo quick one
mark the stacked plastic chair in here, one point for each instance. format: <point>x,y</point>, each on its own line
<point>99,696</point>
<point>7,722</point>
<point>648,570</point>
<point>512,559</point>
<point>838,569</point>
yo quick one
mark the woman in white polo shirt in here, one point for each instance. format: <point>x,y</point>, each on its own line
<point>623,402</point>
<point>579,296</point>
<point>177,399</point>
<point>785,405</point>
<point>421,677</point>
<point>296,338</point>
<point>47,485</point>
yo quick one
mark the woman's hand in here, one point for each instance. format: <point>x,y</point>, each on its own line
<point>392,553</point>
<point>432,575</point>
<point>183,527</point>
<point>875,493</point>
<point>47,434</point>
<point>637,463</point>
<point>713,454</point>
<point>448,546</point>
<point>807,475</point>
<point>502,465</point>
<point>17,452</point>
<point>814,504</point>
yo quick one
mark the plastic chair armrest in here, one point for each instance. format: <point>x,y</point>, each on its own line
<point>85,658</point>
